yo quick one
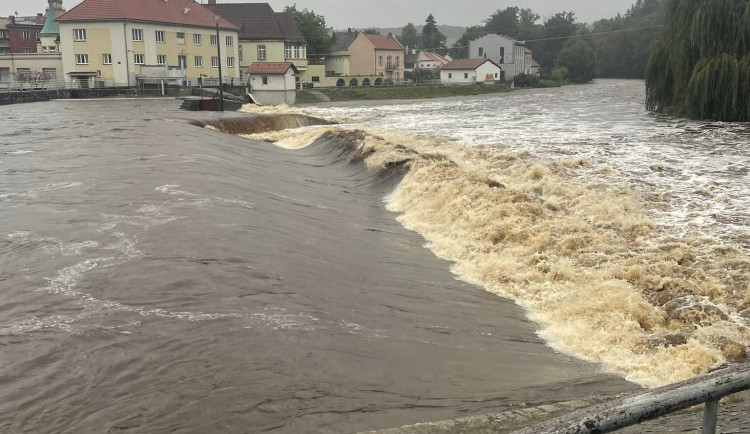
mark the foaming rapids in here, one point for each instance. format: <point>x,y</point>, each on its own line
<point>577,252</point>
<point>260,123</point>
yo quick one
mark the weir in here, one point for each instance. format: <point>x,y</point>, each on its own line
<point>260,123</point>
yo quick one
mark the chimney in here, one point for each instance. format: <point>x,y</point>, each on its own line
<point>212,2</point>
<point>390,35</point>
<point>349,30</point>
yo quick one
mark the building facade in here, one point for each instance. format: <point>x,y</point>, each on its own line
<point>31,69</point>
<point>506,52</point>
<point>4,36</point>
<point>356,54</point>
<point>265,36</point>
<point>273,83</point>
<point>471,71</point>
<point>108,41</point>
<point>23,33</point>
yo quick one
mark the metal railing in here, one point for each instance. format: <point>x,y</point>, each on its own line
<point>611,416</point>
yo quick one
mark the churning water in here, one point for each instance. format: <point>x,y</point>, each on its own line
<point>156,276</point>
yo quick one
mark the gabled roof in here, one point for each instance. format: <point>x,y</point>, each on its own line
<point>384,42</point>
<point>185,12</point>
<point>467,64</point>
<point>258,22</point>
<point>270,67</point>
<point>340,41</point>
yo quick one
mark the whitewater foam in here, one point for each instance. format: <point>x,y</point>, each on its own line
<point>573,248</point>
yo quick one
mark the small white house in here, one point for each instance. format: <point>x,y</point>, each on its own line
<point>470,71</point>
<point>504,51</point>
<point>273,83</point>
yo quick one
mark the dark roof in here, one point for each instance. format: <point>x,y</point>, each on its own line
<point>342,40</point>
<point>289,28</point>
<point>270,67</point>
<point>467,64</point>
<point>258,21</point>
<point>384,42</point>
<point>172,12</point>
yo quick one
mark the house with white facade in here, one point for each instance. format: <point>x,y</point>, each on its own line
<point>471,71</point>
<point>273,83</point>
<point>430,60</point>
<point>506,52</point>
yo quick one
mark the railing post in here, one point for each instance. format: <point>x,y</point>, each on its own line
<point>710,416</point>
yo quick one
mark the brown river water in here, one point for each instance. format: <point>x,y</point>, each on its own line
<point>156,276</point>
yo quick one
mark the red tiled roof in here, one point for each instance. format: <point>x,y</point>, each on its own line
<point>467,63</point>
<point>270,67</point>
<point>384,42</point>
<point>160,11</point>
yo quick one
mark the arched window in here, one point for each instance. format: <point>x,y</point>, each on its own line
<point>366,82</point>
<point>340,83</point>
<point>378,81</point>
<point>353,82</point>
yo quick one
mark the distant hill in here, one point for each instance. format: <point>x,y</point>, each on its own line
<point>452,33</point>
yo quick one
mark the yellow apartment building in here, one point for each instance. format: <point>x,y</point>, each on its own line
<point>108,41</point>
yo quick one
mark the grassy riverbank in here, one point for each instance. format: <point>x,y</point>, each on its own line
<point>402,92</point>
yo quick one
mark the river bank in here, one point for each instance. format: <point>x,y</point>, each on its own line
<point>391,93</point>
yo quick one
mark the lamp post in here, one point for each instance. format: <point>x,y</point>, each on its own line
<point>218,51</point>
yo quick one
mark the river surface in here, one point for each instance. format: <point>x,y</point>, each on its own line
<point>156,276</point>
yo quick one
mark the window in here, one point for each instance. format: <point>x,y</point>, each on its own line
<point>315,79</point>
<point>196,39</point>
<point>380,60</point>
<point>481,52</point>
<point>239,51</point>
<point>398,61</point>
<point>161,59</point>
<point>137,35</point>
<point>107,59</point>
<point>53,49</point>
<point>25,34</point>
<point>36,36</point>
<point>230,41</point>
<point>3,34</point>
<point>82,59</point>
<point>50,73</point>
<point>214,62</point>
<point>502,54</point>
<point>26,50</point>
<point>296,52</point>
<point>466,75</point>
<point>182,61</point>
<point>288,52</point>
<point>23,73</point>
<point>138,59</point>
<point>450,75</point>
<point>214,40</point>
<point>79,35</point>
<point>160,36</point>
<point>199,61</point>
<point>389,62</point>
<point>265,80</point>
<point>261,52</point>
<point>180,37</point>
<point>230,62</point>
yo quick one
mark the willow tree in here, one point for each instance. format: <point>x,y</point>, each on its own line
<point>700,67</point>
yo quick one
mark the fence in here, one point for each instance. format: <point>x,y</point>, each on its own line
<point>609,417</point>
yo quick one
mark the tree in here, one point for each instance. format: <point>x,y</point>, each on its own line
<point>432,38</point>
<point>371,31</point>
<point>555,31</point>
<point>503,22</point>
<point>700,66</point>
<point>460,49</point>
<point>313,27</point>
<point>579,59</point>
<point>409,36</point>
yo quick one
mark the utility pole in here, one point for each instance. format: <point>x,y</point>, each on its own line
<point>218,50</point>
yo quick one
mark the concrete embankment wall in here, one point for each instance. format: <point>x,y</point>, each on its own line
<point>21,97</point>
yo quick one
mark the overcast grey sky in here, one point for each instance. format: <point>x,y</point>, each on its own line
<point>395,13</point>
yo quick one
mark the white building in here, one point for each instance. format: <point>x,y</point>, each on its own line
<point>471,71</point>
<point>273,83</point>
<point>506,52</point>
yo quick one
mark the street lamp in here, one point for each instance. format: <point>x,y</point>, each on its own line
<point>218,50</point>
